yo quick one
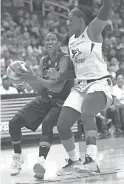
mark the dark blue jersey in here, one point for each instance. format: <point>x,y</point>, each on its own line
<point>47,64</point>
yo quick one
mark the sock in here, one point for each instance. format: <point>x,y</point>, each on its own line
<point>91,148</point>
<point>73,155</point>
<point>17,148</point>
<point>69,146</point>
<point>43,151</point>
<point>92,151</point>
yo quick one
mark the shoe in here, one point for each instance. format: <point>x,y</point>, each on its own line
<point>39,168</point>
<point>16,165</point>
<point>89,166</point>
<point>68,168</point>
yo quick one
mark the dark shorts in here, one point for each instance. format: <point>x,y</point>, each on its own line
<point>37,111</point>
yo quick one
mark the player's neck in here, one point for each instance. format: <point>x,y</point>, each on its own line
<point>53,56</point>
<point>81,30</point>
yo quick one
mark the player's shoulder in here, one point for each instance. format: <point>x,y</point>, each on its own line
<point>71,38</point>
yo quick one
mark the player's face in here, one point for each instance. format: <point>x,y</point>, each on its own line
<point>73,23</point>
<point>120,80</point>
<point>51,42</point>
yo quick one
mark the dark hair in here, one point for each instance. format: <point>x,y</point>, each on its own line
<point>52,32</point>
<point>119,72</point>
<point>88,16</point>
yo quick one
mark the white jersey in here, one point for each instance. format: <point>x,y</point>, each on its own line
<point>87,57</point>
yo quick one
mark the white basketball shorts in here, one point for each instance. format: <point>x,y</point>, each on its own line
<point>77,94</point>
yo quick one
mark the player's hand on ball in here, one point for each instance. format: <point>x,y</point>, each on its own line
<point>26,75</point>
<point>53,73</point>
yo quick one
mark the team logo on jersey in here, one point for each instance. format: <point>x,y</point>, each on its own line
<point>78,56</point>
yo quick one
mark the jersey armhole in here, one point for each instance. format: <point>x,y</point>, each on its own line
<point>96,43</point>
<point>45,59</point>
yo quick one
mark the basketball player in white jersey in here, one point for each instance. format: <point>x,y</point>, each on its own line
<point>92,93</point>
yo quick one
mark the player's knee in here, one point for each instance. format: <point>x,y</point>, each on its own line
<point>46,138</point>
<point>61,128</point>
<point>12,124</point>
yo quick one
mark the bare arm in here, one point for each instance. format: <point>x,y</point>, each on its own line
<point>98,24</point>
<point>67,69</point>
<point>39,83</point>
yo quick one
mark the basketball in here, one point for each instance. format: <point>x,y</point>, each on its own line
<point>13,70</point>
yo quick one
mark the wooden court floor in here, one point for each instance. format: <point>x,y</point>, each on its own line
<point>110,159</point>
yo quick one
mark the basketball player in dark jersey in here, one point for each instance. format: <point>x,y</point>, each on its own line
<point>46,107</point>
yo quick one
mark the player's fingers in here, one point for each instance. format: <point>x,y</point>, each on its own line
<point>22,76</point>
<point>53,70</point>
<point>22,70</point>
<point>51,75</point>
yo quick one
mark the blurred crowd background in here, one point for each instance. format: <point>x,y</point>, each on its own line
<point>24,24</point>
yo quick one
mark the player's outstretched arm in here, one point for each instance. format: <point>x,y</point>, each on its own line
<point>98,24</point>
<point>68,73</point>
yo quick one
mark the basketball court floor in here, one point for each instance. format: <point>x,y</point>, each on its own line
<point>110,159</point>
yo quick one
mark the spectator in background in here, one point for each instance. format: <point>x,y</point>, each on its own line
<point>118,107</point>
<point>121,67</point>
<point>115,63</point>
<point>2,66</point>
<point>102,124</point>
<point>63,33</point>
<point>114,114</point>
<point>112,72</point>
<point>5,88</point>
<point>111,53</point>
<point>35,47</point>
<point>6,59</point>
<point>19,17</point>
<point>26,41</point>
<point>44,29</point>
<point>118,93</point>
<point>27,16</point>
